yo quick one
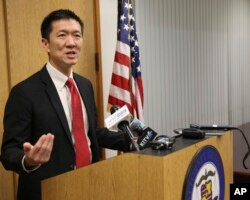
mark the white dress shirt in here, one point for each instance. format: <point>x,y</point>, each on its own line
<point>59,80</point>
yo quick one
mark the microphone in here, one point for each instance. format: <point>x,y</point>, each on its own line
<point>120,118</point>
<point>146,134</point>
<point>117,115</point>
<point>113,109</point>
<point>137,126</point>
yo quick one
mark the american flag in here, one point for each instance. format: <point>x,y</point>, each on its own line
<point>126,83</point>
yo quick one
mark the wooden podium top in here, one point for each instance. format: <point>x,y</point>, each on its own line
<point>143,175</point>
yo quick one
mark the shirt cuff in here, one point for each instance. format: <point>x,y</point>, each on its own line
<point>30,169</point>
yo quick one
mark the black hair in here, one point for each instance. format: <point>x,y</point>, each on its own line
<point>46,26</point>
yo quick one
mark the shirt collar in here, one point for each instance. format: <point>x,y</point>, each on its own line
<point>58,78</point>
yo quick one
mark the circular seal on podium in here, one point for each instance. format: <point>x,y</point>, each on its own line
<point>205,179</point>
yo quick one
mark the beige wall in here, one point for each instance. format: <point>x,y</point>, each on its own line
<point>6,178</point>
<point>21,53</point>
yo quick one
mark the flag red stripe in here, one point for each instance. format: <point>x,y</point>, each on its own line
<point>140,86</point>
<point>134,104</point>
<point>122,59</point>
<point>119,81</point>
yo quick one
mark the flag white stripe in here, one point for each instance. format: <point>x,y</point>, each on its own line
<point>136,92</point>
<point>119,93</point>
<point>123,48</point>
<point>139,103</point>
<point>121,70</point>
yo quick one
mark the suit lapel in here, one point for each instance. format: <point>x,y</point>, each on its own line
<point>55,101</point>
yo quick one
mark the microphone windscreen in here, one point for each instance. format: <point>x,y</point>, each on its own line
<point>137,125</point>
<point>113,109</point>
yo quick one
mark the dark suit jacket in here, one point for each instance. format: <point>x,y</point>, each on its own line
<point>34,108</point>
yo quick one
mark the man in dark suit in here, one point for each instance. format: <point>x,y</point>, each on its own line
<point>38,142</point>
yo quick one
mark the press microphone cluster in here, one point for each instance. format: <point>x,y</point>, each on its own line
<point>120,119</point>
<point>145,134</point>
<point>149,138</point>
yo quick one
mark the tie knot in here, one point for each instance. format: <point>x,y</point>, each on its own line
<point>70,82</point>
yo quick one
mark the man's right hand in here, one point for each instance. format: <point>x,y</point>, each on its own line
<point>40,152</point>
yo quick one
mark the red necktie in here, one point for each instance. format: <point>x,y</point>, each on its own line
<point>78,130</point>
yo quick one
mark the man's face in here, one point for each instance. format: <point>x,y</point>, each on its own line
<point>64,45</point>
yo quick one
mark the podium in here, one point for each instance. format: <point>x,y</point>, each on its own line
<point>146,175</point>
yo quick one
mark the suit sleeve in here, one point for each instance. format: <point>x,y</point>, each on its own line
<point>113,140</point>
<point>17,130</point>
